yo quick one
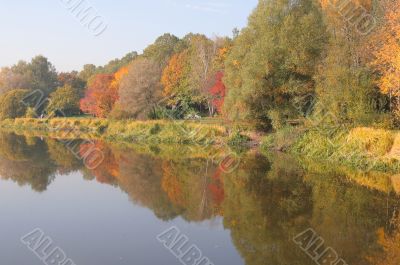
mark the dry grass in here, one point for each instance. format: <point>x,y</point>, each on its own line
<point>377,142</point>
<point>137,131</point>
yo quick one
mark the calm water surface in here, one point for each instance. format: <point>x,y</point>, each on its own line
<point>111,215</point>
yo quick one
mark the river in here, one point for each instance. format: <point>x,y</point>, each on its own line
<point>140,200</point>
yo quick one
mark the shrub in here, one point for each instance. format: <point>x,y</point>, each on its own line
<point>12,105</point>
<point>30,113</point>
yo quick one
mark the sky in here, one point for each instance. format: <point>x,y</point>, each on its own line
<point>50,27</point>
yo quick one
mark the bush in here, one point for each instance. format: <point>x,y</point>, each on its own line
<point>12,105</point>
<point>30,113</point>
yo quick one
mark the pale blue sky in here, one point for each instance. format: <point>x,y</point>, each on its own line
<point>29,28</point>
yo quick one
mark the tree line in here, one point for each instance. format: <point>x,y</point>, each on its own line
<point>295,59</point>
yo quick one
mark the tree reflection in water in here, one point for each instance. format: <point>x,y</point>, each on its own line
<point>264,203</point>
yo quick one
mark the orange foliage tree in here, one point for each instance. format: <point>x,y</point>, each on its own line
<point>118,77</point>
<point>175,75</point>
<point>102,93</point>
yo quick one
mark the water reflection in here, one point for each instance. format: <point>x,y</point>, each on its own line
<point>264,203</point>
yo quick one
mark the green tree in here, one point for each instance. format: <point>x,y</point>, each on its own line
<point>114,65</point>
<point>273,60</point>
<point>345,89</point>
<point>87,72</point>
<point>39,74</point>
<point>64,101</point>
<point>163,48</point>
<point>72,79</point>
<point>43,75</point>
<point>12,105</point>
<point>345,92</point>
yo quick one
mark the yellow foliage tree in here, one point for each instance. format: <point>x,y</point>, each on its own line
<point>386,50</point>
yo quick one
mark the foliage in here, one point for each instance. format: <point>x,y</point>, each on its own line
<point>386,52</point>
<point>345,91</point>
<point>89,70</point>
<point>31,113</point>
<point>12,105</point>
<point>163,48</point>
<point>38,74</point>
<point>141,89</point>
<point>64,102</point>
<point>72,79</point>
<point>296,62</point>
<point>273,60</point>
<point>100,96</point>
<point>218,92</point>
<point>175,75</point>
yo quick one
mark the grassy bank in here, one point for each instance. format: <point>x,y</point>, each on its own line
<point>182,132</point>
<point>360,148</point>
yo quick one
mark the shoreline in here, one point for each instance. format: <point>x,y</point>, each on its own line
<point>152,132</point>
<point>361,148</point>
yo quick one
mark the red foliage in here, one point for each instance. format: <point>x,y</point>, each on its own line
<point>218,92</point>
<point>100,96</point>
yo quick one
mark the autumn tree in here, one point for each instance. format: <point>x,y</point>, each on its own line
<point>386,51</point>
<point>217,93</point>
<point>190,74</point>
<point>90,70</point>
<point>72,79</point>
<point>215,89</point>
<point>175,77</point>
<point>140,88</point>
<point>273,60</point>
<point>100,96</point>
<point>115,65</point>
<point>345,91</point>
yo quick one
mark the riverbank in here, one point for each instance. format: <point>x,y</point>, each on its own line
<point>153,132</point>
<point>360,148</point>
